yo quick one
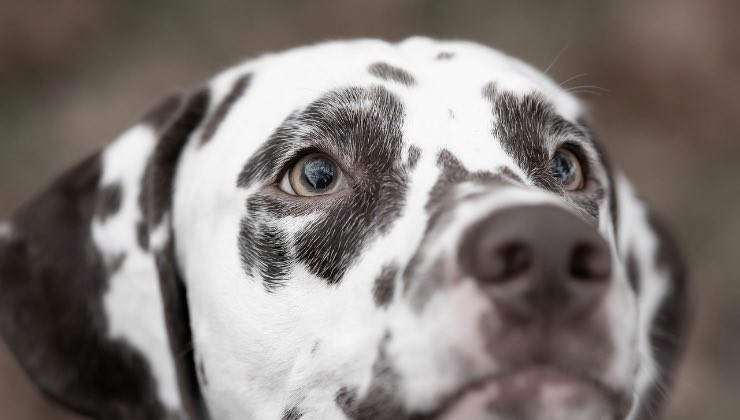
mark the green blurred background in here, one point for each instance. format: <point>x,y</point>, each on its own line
<point>662,79</point>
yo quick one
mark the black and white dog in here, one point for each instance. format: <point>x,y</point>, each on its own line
<point>356,230</point>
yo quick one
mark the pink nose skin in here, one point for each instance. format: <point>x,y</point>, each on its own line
<point>537,261</point>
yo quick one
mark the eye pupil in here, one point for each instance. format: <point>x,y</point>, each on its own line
<point>318,173</point>
<point>563,168</point>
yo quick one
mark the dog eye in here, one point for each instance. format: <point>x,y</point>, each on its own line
<point>314,174</point>
<point>566,167</point>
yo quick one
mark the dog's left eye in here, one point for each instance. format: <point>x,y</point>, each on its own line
<point>567,168</point>
<point>314,174</point>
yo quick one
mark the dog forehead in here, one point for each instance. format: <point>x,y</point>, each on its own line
<point>446,75</point>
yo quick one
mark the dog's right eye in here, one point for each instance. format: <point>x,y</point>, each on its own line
<point>314,174</point>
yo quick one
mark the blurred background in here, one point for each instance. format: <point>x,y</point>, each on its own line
<point>662,79</point>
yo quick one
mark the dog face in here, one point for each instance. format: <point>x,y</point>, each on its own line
<point>349,230</point>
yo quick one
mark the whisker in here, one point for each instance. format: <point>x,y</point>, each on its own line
<point>570,79</point>
<point>557,56</point>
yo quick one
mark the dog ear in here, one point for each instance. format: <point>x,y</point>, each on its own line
<point>658,277</point>
<point>75,262</point>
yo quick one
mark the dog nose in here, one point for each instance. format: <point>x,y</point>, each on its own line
<point>537,261</point>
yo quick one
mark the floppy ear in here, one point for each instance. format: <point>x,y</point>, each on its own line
<point>83,299</point>
<point>658,276</point>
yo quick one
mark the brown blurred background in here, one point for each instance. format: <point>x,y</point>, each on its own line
<point>663,79</point>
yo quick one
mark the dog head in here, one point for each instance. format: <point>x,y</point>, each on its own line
<point>349,230</point>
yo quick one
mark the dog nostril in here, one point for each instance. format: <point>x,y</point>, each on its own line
<point>589,263</point>
<point>510,260</point>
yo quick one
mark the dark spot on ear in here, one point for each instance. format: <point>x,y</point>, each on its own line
<point>142,235</point>
<point>237,90</point>
<point>670,325</point>
<point>160,172</point>
<point>108,201</point>
<point>445,55</point>
<point>633,273</point>
<point>159,116</point>
<point>292,413</point>
<point>391,74</point>
<point>608,168</point>
<point>177,320</point>
<point>115,263</point>
<point>384,285</point>
<point>413,158</point>
<point>155,202</point>
<point>202,373</point>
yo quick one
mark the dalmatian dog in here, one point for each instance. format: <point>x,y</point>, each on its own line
<point>350,230</point>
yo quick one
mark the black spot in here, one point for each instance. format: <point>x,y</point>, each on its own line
<point>177,320</point>
<point>263,246</point>
<point>361,129</point>
<point>155,201</point>
<point>142,235</point>
<point>159,116</point>
<point>109,201</point>
<point>52,280</point>
<point>413,158</point>
<point>633,272</point>
<point>452,174</point>
<point>384,285</point>
<point>292,413</point>
<point>237,90</point>
<point>159,174</point>
<point>669,329</point>
<point>445,55</point>
<point>113,264</point>
<point>202,373</point>
<point>607,165</point>
<point>382,400</point>
<point>521,127</point>
<point>391,73</point>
